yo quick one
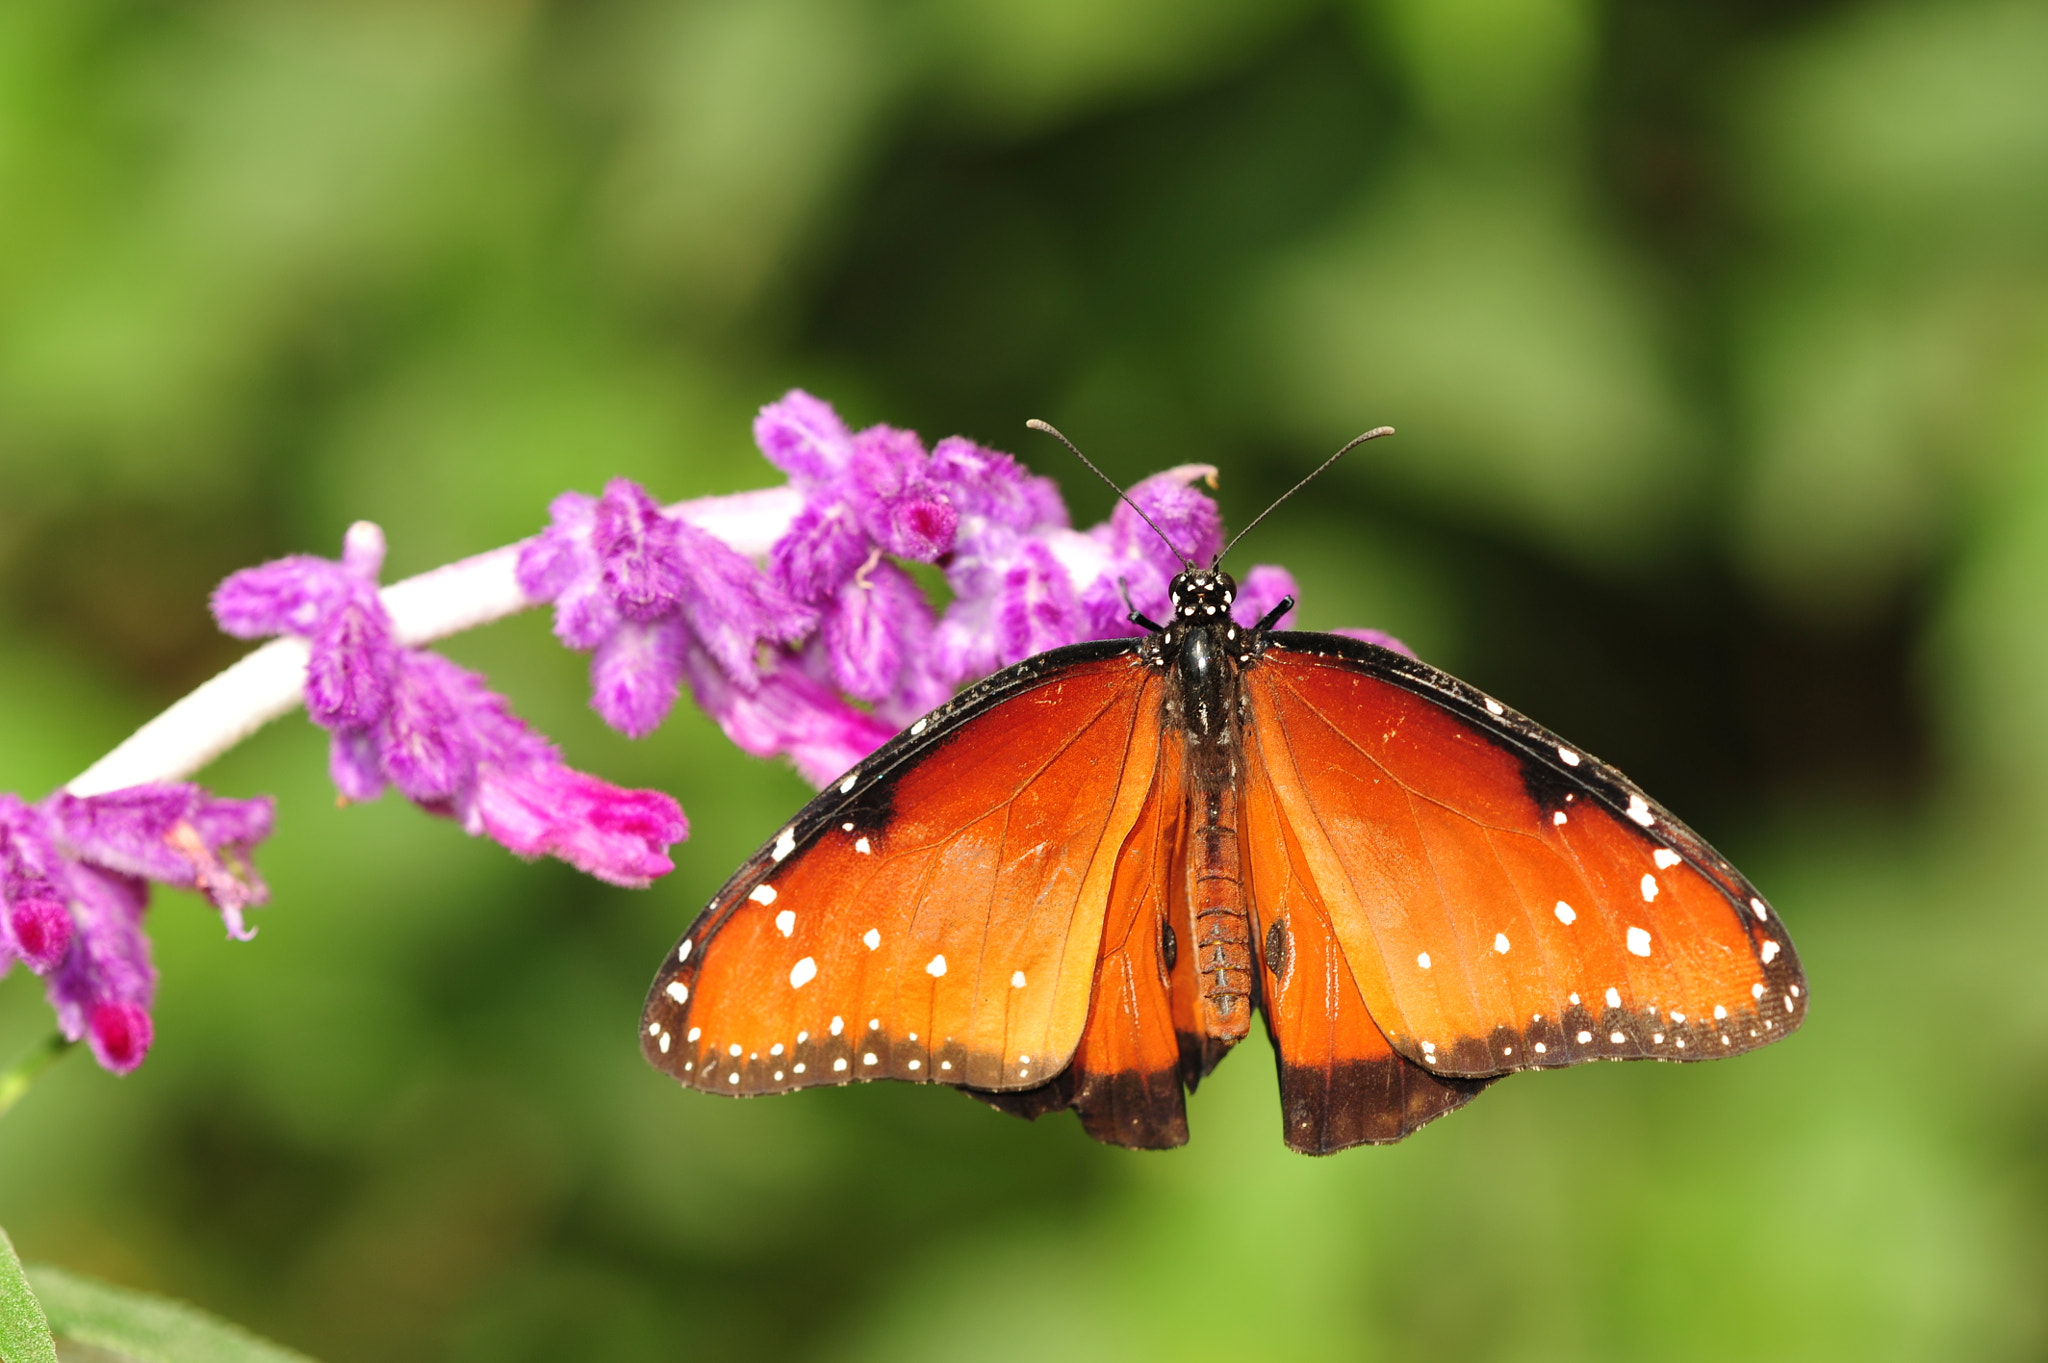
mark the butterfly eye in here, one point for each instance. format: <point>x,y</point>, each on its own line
<point>1276,950</point>
<point>1169,946</point>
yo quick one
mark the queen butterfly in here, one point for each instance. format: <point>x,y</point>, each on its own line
<point>1073,884</point>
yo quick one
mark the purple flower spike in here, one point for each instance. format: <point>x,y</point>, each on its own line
<point>451,745</point>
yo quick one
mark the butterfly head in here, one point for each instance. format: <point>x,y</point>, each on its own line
<point>1202,594</point>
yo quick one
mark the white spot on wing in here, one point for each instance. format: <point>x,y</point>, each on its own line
<point>801,974</point>
<point>1638,942</point>
<point>683,951</point>
<point>678,991</point>
<point>785,922</point>
<point>763,894</point>
<point>935,967</point>
<point>1559,819</point>
<point>1565,913</point>
<point>873,937</point>
<point>1500,943</point>
<point>1665,858</point>
<point>1571,759</point>
<point>861,846</point>
<point>917,728</point>
<point>848,783</point>
<point>1649,887</point>
<point>695,1032</point>
<point>785,843</point>
<point>664,1043</point>
<point>1613,997</point>
<point>1016,979</point>
<point>1770,952</point>
<point>839,1065</point>
<point>1423,960</point>
<point>838,1025</point>
<point>734,1050</point>
<point>1584,1037</point>
<point>1756,906</point>
<point>1639,810</point>
<point>1494,707</point>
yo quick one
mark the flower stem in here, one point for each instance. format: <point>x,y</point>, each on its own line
<point>267,683</point>
<point>15,1079</point>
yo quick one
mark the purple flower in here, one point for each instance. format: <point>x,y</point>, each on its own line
<point>416,721</point>
<point>638,586</point>
<point>829,647</point>
<point>75,874</point>
<point>789,714</point>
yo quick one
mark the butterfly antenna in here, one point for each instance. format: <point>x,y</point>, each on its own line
<point>1046,426</point>
<point>1374,434</point>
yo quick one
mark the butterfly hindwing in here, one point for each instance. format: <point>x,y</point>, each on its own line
<point>1503,900</point>
<point>1341,1083</point>
<point>936,915</point>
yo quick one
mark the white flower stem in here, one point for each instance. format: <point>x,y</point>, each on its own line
<point>475,591</point>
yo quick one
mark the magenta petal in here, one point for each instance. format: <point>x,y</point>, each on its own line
<point>348,676</point>
<point>353,765</point>
<point>878,623</point>
<point>422,745</point>
<point>635,674</point>
<point>120,1035</point>
<point>41,931</point>
<point>991,484</point>
<point>1037,608</point>
<point>637,545</point>
<point>731,606</point>
<point>803,437</point>
<point>823,547</point>
<point>546,809</point>
<point>286,596</point>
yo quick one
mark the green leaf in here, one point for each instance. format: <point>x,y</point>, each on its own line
<point>24,1334</point>
<point>136,1327</point>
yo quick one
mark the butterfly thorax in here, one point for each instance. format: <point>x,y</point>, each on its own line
<point>1204,649</point>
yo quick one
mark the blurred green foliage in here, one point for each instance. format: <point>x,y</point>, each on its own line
<point>1718,340</point>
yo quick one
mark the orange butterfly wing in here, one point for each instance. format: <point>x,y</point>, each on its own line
<point>1341,1083</point>
<point>1502,900</point>
<point>1124,1082</point>
<point>937,915</point>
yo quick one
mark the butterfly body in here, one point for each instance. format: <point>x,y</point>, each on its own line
<point>1073,885</point>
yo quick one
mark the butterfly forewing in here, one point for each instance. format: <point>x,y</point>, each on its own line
<point>937,914</point>
<point>1504,900</point>
<point>1124,1081</point>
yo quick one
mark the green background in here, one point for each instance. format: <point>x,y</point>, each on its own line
<point>1717,336</point>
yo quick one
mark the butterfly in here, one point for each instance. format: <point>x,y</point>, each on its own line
<point>1073,885</point>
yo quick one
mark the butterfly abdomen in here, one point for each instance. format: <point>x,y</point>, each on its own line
<point>1206,690</point>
